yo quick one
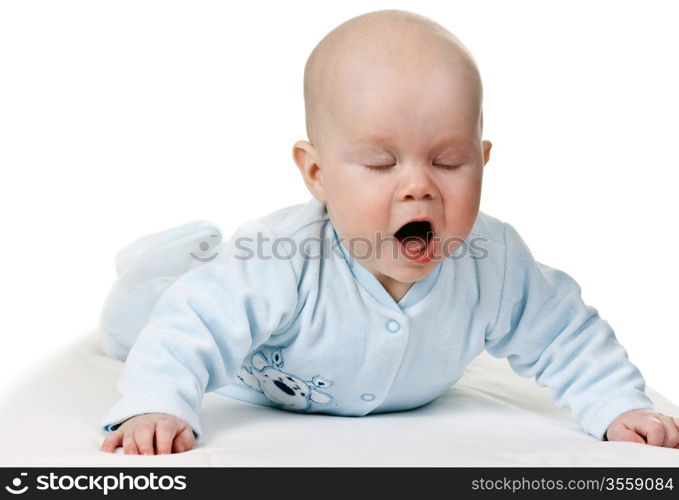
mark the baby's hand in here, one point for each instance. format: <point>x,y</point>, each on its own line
<point>645,427</point>
<point>135,435</point>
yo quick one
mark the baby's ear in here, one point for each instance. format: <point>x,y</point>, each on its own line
<point>487,146</point>
<point>306,158</point>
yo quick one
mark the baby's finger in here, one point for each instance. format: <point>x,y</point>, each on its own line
<point>654,430</point>
<point>622,433</point>
<point>143,435</point>
<point>671,432</point>
<point>165,432</point>
<point>184,440</point>
<point>129,446</point>
<point>112,441</point>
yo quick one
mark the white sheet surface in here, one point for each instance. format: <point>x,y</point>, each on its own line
<point>491,417</point>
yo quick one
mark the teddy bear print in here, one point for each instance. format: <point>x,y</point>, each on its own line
<point>281,387</point>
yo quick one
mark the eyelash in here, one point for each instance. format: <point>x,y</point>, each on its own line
<point>384,168</point>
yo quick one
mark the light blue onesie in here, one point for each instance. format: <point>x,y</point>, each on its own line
<point>303,326</point>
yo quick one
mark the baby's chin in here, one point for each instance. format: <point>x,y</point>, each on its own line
<point>405,271</point>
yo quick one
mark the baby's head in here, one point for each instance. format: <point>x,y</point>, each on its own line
<point>394,120</point>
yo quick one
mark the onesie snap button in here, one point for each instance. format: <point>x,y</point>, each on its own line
<point>393,326</point>
<point>367,397</point>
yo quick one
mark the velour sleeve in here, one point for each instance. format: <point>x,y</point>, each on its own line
<point>546,331</point>
<point>203,326</point>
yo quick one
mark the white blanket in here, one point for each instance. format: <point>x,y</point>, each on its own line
<point>491,417</point>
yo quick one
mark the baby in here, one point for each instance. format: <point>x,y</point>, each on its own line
<point>375,294</point>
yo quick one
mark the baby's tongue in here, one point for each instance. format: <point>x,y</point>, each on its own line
<point>414,248</point>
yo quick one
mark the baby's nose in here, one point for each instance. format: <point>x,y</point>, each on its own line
<point>417,184</point>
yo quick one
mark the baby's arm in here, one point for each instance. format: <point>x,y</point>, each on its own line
<point>545,330</point>
<point>200,331</point>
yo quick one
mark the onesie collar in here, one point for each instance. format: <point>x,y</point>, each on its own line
<point>416,292</point>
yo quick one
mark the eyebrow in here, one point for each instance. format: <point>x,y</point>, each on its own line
<point>371,140</point>
<point>381,141</point>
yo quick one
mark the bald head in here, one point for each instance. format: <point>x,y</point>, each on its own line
<point>407,44</point>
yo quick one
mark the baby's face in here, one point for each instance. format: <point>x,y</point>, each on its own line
<point>400,148</point>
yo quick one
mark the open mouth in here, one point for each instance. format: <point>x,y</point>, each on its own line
<point>416,240</point>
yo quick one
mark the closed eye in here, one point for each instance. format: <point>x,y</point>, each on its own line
<point>379,168</point>
<point>383,168</point>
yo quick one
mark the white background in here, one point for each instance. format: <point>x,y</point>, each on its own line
<point>118,119</point>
